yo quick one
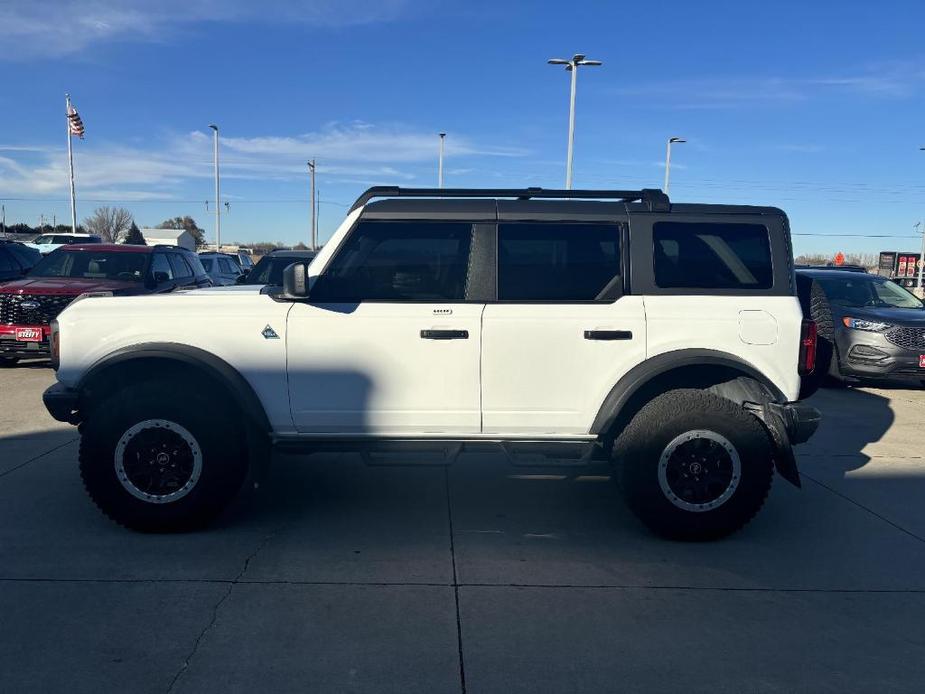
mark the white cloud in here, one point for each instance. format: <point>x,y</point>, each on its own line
<point>895,79</point>
<point>49,28</point>
<point>345,153</point>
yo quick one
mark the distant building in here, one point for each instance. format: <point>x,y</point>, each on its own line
<point>169,237</point>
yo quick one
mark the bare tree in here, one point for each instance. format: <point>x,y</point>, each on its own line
<point>109,223</point>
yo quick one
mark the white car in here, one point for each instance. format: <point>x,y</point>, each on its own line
<point>609,325</point>
<point>46,243</point>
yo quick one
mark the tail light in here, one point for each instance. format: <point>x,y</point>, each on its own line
<point>808,340</point>
<point>54,343</point>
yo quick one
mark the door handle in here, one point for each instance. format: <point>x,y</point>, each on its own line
<point>608,335</point>
<point>445,334</point>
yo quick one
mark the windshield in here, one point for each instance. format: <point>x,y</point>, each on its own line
<point>45,238</point>
<point>207,263</point>
<point>859,291</point>
<point>103,265</point>
<point>269,269</point>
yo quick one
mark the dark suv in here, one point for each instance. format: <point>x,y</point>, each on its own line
<point>869,326</point>
<point>16,260</point>
<point>28,305</point>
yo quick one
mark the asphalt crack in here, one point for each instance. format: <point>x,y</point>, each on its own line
<point>459,642</point>
<point>40,455</point>
<point>215,610</point>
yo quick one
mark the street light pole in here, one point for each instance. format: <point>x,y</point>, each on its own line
<point>440,161</point>
<point>922,258</point>
<point>671,141</point>
<point>218,204</point>
<point>314,234</point>
<point>572,66</point>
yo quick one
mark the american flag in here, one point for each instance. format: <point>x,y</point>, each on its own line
<point>75,125</point>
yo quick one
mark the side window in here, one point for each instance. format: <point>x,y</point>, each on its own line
<point>399,261</point>
<point>226,266</point>
<point>712,256</point>
<point>159,264</point>
<point>559,262</point>
<point>181,269</point>
<point>196,264</point>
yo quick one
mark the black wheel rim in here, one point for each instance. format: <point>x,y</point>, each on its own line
<point>158,461</point>
<point>699,470</point>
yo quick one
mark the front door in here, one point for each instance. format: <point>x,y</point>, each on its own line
<point>562,332</point>
<point>387,343</point>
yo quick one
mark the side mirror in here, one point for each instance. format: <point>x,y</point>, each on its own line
<point>295,281</point>
<point>240,279</point>
<point>161,277</point>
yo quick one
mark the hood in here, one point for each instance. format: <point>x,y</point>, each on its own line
<point>912,317</point>
<point>44,247</point>
<point>69,286</point>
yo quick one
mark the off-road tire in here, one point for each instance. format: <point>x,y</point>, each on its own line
<point>640,446</point>
<point>216,430</point>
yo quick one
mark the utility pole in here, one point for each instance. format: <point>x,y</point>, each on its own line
<point>440,162</point>
<point>314,206</point>
<point>922,263</point>
<point>317,216</point>
<point>218,205</point>
<point>572,65</point>
<point>671,141</point>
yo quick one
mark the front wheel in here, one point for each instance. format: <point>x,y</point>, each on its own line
<point>694,466</point>
<point>156,463</point>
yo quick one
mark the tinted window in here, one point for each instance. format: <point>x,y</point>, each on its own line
<point>207,263</point>
<point>193,260</point>
<point>180,268</point>
<point>159,264</point>
<point>7,265</point>
<point>269,269</point>
<point>712,256</point>
<point>227,267</point>
<point>558,262</point>
<point>26,256</point>
<point>399,261</point>
<point>109,265</point>
<point>860,291</point>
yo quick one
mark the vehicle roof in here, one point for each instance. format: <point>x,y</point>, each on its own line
<point>283,253</point>
<point>72,234</point>
<point>829,274</point>
<point>227,255</point>
<point>117,247</point>
<point>492,209</point>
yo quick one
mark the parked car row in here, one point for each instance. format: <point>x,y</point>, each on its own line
<point>35,288</point>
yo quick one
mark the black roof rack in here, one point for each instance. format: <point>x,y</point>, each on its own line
<point>654,198</point>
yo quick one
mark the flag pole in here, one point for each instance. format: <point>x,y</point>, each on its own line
<point>70,161</point>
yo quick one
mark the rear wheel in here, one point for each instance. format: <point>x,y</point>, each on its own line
<point>156,464</point>
<point>694,466</point>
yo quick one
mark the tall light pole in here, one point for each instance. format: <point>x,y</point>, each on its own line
<point>218,204</point>
<point>922,258</point>
<point>671,141</point>
<point>572,66</point>
<point>440,161</point>
<point>311,172</point>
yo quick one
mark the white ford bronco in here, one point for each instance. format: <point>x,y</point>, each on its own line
<point>608,325</point>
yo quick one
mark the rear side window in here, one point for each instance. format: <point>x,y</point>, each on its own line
<point>160,265</point>
<point>399,261</point>
<point>559,262</point>
<point>181,269</point>
<point>712,256</point>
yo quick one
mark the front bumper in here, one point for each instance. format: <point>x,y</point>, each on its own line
<point>62,403</point>
<point>11,347</point>
<point>864,354</point>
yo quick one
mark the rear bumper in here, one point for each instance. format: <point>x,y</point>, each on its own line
<point>788,424</point>
<point>61,403</point>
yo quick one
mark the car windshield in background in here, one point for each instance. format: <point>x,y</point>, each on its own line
<point>103,265</point>
<point>206,263</point>
<point>862,291</point>
<point>269,269</point>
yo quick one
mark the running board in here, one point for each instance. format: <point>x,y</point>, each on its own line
<point>399,451</point>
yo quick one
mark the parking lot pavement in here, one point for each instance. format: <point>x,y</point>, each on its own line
<point>342,577</point>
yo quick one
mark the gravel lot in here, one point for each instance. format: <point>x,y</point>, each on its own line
<point>480,577</point>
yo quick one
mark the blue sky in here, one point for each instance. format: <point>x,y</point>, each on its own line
<point>816,107</point>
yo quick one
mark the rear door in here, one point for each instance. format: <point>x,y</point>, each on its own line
<point>723,282</point>
<point>563,329</point>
